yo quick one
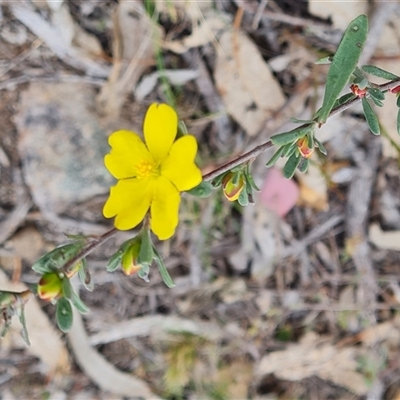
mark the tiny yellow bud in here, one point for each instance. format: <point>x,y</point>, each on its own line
<point>129,259</point>
<point>232,191</point>
<point>50,286</point>
<point>305,151</point>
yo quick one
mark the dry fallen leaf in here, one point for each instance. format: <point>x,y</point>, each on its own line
<point>249,89</point>
<point>135,35</point>
<point>314,356</point>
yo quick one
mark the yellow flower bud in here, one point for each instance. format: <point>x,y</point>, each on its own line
<point>50,286</point>
<point>129,259</point>
<point>232,190</point>
<point>305,151</point>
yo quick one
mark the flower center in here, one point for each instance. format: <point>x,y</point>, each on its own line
<point>144,169</point>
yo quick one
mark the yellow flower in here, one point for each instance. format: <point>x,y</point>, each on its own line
<point>151,174</point>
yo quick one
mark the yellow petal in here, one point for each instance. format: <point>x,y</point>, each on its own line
<point>160,127</point>
<point>179,166</point>
<point>126,150</point>
<point>129,201</point>
<point>164,208</point>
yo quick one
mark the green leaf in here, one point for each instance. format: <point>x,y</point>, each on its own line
<point>344,62</point>
<point>398,122</point>
<point>376,93</point>
<point>284,138</point>
<point>291,164</point>
<point>203,190</point>
<point>146,252</point>
<point>398,101</point>
<point>217,182</point>
<point>66,288</point>
<point>166,277</point>
<point>377,102</point>
<point>249,178</point>
<point>79,304</point>
<point>372,119</point>
<point>243,199</point>
<point>24,332</point>
<point>291,149</point>
<point>64,314</point>
<point>344,99</point>
<point>362,83</point>
<point>275,157</point>
<point>144,272</point>
<point>57,257</point>
<point>304,164</point>
<point>114,261</point>
<point>320,146</point>
<point>84,276</point>
<point>324,60</point>
<point>379,72</point>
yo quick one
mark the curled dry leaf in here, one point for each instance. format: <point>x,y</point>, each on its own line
<point>249,90</point>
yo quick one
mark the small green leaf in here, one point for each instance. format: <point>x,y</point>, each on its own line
<point>291,149</point>
<point>301,121</point>
<point>398,121</point>
<point>24,332</point>
<point>114,261</point>
<point>320,146</point>
<point>284,138</point>
<point>57,257</point>
<point>324,60</point>
<point>291,164</point>
<point>250,179</point>
<point>344,62</point>
<point>217,182</point>
<point>398,101</point>
<point>84,276</point>
<point>275,157</point>
<point>144,272</point>
<point>79,304</point>
<point>362,83</point>
<point>304,164</point>
<point>376,93</point>
<point>66,288</point>
<point>344,99</point>
<point>203,190</point>
<point>64,314</point>
<point>146,252</point>
<point>372,119</point>
<point>243,199</point>
<point>379,72</point>
<point>166,277</point>
<point>377,102</point>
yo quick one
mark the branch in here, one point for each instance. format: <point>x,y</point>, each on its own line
<point>252,154</point>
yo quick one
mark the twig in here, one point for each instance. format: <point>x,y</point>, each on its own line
<point>249,156</point>
<point>94,244</point>
<point>252,154</point>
